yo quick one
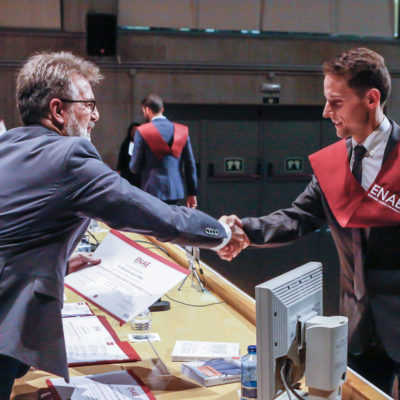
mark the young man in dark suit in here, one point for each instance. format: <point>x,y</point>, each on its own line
<point>356,190</point>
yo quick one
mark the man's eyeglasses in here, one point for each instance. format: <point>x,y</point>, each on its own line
<point>89,104</point>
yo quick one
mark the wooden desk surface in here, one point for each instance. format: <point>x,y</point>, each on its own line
<point>217,322</point>
<point>233,321</point>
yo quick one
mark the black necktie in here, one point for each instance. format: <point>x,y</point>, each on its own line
<point>357,233</point>
<point>359,152</point>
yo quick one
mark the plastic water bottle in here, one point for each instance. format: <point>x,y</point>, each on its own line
<point>249,374</point>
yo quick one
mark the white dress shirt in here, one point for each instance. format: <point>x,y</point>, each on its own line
<point>375,144</point>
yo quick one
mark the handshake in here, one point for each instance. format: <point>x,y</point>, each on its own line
<point>239,239</point>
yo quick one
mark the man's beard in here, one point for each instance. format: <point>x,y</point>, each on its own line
<point>75,129</point>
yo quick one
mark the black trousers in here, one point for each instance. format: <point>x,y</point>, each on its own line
<point>10,369</point>
<point>377,367</point>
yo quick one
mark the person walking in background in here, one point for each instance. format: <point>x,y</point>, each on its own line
<point>125,154</point>
<point>162,150</point>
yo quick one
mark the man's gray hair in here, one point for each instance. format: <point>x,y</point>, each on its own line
<point>45,76</point>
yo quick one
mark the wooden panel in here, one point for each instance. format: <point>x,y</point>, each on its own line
<point>229,14</point>
<point>365,17</point>
<point>43,14</point>
<point>157,13</point>
<point>297,16</point>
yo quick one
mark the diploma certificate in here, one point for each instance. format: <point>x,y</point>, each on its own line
<point>129,279</point>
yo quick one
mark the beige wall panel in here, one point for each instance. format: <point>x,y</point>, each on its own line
<point>297,16</point>
<point>44,14</point>
<point>229,14</point>
<point>157,13</point>
<point>75,12</point>
<point>8,108</point>
<point>225,88</point>
<point>365,17</point>
<point>225,49</point>
<point>115,109</point>
<point>18,46</point>
<point>393,109</point>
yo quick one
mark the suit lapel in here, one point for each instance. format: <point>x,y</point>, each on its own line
<point>394,138</point>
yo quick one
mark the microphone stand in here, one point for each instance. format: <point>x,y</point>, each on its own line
<point>193,255</point>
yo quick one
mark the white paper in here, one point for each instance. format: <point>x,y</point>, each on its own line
<point>2,127</point>
<point>127,281</point>
<point>75,310</point>
<point>130,149</point>
<point>187,350</point>
<point>87,340</point>
<point>118,385</point>
<point>143,337</point>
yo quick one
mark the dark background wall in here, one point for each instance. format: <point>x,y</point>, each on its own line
<point>211,82</point>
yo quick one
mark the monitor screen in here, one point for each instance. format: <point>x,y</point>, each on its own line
<point>283,305</point>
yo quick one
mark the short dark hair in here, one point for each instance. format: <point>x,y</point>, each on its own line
<point>131,126</point>
<point>153,102</point>
<point>363,69</point>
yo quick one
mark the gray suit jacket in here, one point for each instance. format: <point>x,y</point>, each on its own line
<point>50,187</point>
<point>381,307</point>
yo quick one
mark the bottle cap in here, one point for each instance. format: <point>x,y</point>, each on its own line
<point>252,348</point>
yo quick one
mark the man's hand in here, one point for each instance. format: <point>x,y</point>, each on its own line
<point>81,260</point>
<point>239,239</point>
<point>191,201</point>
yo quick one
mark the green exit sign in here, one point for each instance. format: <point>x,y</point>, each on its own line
<point>234,164</point>
<point>294,164</point>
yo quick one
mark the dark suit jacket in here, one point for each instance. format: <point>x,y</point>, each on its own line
<point>163,178</point>
<point>381,307</point>
<point>50,187</point>
<point>124,159</point>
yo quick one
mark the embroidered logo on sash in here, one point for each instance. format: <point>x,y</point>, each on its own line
<point>385,197</point>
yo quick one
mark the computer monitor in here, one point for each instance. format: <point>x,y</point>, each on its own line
<point>294,338</point>
<point>283,305</point>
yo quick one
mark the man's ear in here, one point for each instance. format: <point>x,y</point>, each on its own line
<point>57,111</point>
<point>373,97</point>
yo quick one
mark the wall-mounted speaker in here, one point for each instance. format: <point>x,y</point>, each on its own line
<point>101,34</point>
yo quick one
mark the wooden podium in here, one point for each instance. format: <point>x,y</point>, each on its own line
<point>225,314</point>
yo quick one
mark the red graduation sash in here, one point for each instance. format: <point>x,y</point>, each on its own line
<point>351,205</point>
<point>158,146</point>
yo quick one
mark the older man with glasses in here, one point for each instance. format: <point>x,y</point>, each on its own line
<point>52,181</point>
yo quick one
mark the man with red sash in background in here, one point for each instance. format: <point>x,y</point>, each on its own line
<point>162,149</point>
<point>356,190</point>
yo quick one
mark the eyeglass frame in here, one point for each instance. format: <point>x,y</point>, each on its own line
<point>93,103</point>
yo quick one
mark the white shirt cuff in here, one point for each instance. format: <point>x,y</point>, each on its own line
<point>226,240</point>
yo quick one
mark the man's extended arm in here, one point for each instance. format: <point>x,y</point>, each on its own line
<point>283,226</point>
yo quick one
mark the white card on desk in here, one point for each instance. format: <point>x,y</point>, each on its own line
<point>187,350</point>
<point>75,310</point>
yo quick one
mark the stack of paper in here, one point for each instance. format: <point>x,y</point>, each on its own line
<point>118,385</point>
<point>91,340</point>
<point>186,350</point>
